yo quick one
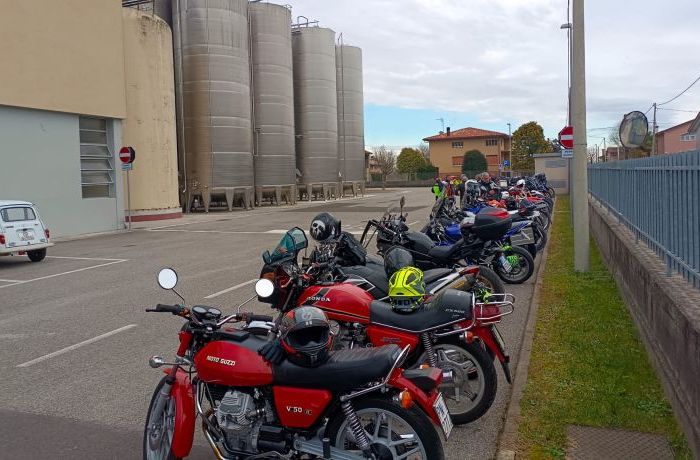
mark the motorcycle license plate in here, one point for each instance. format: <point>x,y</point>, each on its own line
<point>499,339</point>
<point>504,263</point>
<point>25,235</point>
<point>443,415</point>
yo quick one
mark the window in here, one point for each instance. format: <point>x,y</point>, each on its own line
<point>688,137</point>
<point>491,142</point>
<point>457,161</point>
<point>96,161</point>
<point>17,214</point>
<point>457,145</point>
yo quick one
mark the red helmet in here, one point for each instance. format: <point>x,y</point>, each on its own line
<point>306,336</point>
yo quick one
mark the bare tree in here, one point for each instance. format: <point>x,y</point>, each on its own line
<point>424,149</point>
<point>386,161</point>
<point>614,135</point>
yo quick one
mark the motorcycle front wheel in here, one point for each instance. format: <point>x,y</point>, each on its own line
<point>522,265</point>
<point>160,427</point>
<point>394,432</point>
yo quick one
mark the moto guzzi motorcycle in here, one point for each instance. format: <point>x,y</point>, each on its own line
<point>358,405</point>
<point>447,333</point>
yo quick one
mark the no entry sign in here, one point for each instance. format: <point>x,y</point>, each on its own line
<point>566,137</point>
<point>127,155</point>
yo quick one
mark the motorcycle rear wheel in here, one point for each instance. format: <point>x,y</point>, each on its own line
<point>521,272</point>
<point>160,428</point>
<point>382,418</point>
<point>541,238</point>
<point>475,379</point>
<point>490,280</point>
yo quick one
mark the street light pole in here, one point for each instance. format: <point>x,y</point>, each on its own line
<point>510,151</point>
<point>578,116</point>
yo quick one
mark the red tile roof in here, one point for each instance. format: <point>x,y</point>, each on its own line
<point>466,133</point>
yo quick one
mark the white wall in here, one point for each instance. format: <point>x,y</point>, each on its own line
<point>40,162</point>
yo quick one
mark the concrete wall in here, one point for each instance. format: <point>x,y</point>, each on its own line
<point>442,153</point>
<point>40,154</point>
<point>556,168</point>
<point>665,310</point>
<point>150,123</point>
<point>64,56</point>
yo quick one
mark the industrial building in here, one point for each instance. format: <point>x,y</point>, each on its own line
<point>227,103</point>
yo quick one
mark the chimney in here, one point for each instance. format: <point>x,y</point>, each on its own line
<point>448,130</point>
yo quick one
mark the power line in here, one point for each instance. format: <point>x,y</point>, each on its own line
<point>681,93</point>
<point>679,110</point>
<point>650,107</point>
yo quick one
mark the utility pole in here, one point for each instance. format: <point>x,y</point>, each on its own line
<point>578,116</point>
<point>510,151</point>
<point>653,136</point>
<point>605,153</point>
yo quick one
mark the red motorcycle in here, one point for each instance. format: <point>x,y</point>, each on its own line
<point>449,332</point>
<point>358,405</point>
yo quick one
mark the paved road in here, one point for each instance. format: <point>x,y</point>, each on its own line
<point>75,340</point>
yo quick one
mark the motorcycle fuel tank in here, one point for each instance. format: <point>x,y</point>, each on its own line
<point>340,301</point>
<point>230,363</point>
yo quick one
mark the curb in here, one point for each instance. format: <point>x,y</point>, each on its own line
<point>507,442</point>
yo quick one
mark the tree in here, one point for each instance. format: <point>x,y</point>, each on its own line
<point>614,135</point>
<point>409,161</point>
<point>386,162</point>
<point>528,140</point>
<point>474,163</point>
<point>424,149</point>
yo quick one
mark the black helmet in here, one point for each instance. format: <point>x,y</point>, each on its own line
<point>306,336</point>
<point>395,259</point>
<point>324,226</point>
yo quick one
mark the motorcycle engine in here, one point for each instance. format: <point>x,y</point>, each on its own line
<point>240,420</point>
<point>347,335</point>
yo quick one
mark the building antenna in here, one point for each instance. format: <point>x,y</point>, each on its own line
<point>442,121</point>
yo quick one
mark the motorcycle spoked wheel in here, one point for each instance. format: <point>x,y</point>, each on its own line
<point>475,379</point>
<point>394,432</point>
<point>160,428</point>
<point>522,265</point>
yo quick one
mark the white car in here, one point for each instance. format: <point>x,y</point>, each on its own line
<point>22,231</point>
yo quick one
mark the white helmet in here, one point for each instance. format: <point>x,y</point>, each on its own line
<point>505,195</point>
<point>520,183</point>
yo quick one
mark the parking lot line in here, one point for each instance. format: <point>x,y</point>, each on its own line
<point>77,345</point>
<point>114,261</point>
<point>232,288</point>
<point>82,258</point>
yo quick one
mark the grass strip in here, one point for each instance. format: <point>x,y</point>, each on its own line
<point>588,365</point>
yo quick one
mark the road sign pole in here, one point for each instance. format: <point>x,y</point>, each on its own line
<point>580,171</point>
<point>128,197</point>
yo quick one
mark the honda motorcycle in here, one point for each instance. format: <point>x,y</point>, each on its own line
<point>358,405</point>
<point>447,332</point>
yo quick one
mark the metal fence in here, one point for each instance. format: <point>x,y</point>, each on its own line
<point>658,199</point>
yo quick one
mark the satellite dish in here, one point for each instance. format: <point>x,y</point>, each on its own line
<point>634,129</point>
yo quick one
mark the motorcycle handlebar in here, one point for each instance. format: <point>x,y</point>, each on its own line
<point>263,318</point>
<point>163,308</point>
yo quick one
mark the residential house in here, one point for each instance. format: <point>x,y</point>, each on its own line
<point>447,149</point>
<point>694,129</point>
<point>676,139</point>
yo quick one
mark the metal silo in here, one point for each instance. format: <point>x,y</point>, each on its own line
<point>273,101</point>
<point>213,85</point>
<point>316,109</point>
<point>351,127</point>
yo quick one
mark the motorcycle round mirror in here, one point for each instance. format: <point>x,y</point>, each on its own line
<point>167,278</point>
<point>264,288</point>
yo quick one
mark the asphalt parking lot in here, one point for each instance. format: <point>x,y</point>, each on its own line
<point>76,339</point>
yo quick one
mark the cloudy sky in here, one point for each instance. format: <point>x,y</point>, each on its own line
<point>485,63</point>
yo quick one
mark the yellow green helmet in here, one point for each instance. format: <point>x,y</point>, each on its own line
<point>406,289</point>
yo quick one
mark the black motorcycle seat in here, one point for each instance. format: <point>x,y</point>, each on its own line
<point>448,306</point>
<point>345,370</point>
<point>432,275</point>
<point>444,253</point>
